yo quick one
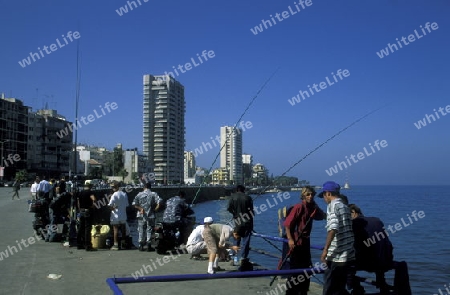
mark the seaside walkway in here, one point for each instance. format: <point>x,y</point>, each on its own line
<point>26,263</point>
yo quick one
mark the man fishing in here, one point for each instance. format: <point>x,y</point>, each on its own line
<point>298,225</point>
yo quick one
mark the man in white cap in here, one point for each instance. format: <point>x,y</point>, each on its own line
<point>195,244</point>
<point>216,237</point>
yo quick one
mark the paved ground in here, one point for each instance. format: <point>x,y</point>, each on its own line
<point>26,270</point>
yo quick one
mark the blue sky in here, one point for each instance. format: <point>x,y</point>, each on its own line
<point>116,51</point>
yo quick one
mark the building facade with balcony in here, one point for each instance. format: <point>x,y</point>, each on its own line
<point>221,176</point>
<point>13,136</point>
<point>163,127</point>
<point>260,174</point>
<point>49,153</point>
<point>189,166</point>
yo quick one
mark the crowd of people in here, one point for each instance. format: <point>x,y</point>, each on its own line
<point>344,250</point>
<point>82,209</point>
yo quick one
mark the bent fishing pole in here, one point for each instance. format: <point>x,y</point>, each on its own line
<point>325,142</point>
<point>234,127</point>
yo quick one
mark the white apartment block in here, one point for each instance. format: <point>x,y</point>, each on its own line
<point>163,127</point>
<point>231,153</point>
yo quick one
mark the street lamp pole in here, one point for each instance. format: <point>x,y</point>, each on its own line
<point>1,159</point>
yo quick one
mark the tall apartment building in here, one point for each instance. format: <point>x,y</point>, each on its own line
<point>231,153</point>
<point>163,127</point>
<point>13,135</point>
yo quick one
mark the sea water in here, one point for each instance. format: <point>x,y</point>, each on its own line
<point>422,239</point>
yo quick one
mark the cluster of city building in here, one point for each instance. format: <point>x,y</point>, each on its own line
<point>33,142</point>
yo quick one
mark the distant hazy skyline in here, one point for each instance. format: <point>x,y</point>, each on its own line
<point>337,60</point>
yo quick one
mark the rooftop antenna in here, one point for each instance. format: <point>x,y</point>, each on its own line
<point>34,102</point>
<point>51,103</point>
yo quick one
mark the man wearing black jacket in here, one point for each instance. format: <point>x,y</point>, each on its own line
<point>241,206</point>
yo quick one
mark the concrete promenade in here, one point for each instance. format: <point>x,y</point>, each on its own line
<point>26,263</point>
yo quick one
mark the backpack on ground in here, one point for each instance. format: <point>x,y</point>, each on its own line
<point>246,265</point>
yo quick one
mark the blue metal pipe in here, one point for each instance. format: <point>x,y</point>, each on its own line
<point>113,286</point>
<point>227,275</point>
<point>283,240</point>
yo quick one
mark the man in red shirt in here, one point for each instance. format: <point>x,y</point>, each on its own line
<point>298,226</point>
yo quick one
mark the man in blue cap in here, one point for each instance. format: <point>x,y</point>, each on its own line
<point>338,252</point>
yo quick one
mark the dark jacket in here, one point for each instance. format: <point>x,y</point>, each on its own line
<point>372,245</point>
<point>241,206</point>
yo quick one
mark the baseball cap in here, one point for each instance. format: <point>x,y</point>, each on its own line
<point>329,186</point>
<point>208,220</point>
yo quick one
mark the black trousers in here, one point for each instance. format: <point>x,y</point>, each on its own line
<point>298,284</point>
<point>335,278</point>
<point>84,232</point>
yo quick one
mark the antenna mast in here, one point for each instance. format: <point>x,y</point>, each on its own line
<point>77,99</point>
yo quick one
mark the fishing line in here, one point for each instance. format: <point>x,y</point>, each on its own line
<point>323,143</point>
<point>270,242</point>
<point>234,127</point>
<point>326,141</point>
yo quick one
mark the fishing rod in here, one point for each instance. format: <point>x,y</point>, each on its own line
<point>268,241</point>
<point>313,150</point>
<point>234,127</point>
<point>325,142</point>
<point>73,208</point>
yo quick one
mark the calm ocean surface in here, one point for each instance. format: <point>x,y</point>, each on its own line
<point>424,244</point>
